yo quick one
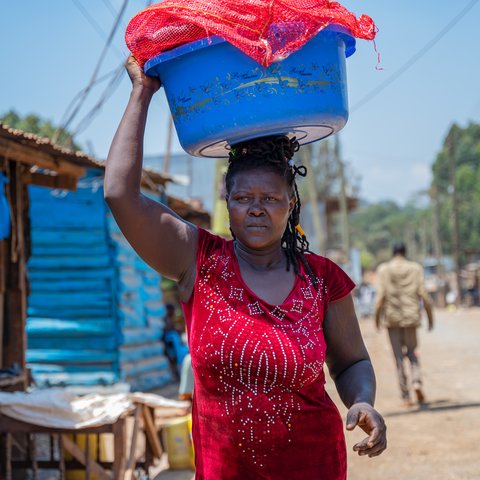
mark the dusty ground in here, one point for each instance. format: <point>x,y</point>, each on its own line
<point>440,441</point>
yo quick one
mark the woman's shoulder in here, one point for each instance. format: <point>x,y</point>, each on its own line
<point>209,243</point>
<point>332,273</point>
<point>317,262</point>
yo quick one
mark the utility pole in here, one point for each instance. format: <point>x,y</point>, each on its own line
<point>342,198</point>
<point>166,160</point>
<point>313,196</point>
<point>451,139</point>
<point>437,244</point>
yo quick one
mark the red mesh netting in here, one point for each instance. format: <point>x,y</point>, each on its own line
<point>266,30</point>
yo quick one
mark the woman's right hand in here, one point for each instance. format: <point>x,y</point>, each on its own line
<point>139,79</point>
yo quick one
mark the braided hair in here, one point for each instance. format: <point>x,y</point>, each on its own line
<point>276,154</point>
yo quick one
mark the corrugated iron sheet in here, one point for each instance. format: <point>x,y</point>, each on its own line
<point>95,308</point>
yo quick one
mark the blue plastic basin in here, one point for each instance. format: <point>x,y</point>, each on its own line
<point>219,96</point>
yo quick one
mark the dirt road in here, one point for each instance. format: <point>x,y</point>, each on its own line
<point>440,441</point>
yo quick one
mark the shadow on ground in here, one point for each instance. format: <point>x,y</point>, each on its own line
<point>434,406</point>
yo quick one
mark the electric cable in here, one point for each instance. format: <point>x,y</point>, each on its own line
<point>82,91</point>
<point>65,123</point>
<point>114,12</point>
<point>109,90</point>
<point>110,7</point>
<point>412,60</point>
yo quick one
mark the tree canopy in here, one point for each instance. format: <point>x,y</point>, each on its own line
<point>457,167</point>
<point>376,226</point>
<point>32,123</point>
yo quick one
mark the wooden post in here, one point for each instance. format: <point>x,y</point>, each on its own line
<point>437,246</point>
<point>3,267</point>
<point>314,198</point>
<point>16,289</point>
<point>342,200</point>
<point>79,455</point>
<point>151,432</point>
<point>451,139</point>
<point>132,459</point>
<point>61,456</point>
<point>168,150</point>
<point>119,441</point>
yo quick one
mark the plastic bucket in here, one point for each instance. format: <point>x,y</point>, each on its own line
<point>177,438</point>
<point>219,96</point>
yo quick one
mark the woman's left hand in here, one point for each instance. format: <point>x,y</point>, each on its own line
<point>372,423</point>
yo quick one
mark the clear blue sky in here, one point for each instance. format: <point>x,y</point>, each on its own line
<point>49,51</point>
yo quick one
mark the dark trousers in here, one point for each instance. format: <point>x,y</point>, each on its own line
<point>404,344</point>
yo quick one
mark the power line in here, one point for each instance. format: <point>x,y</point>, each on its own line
<point>93,23</point>
<point>107,93</point>
<point>110,7</point>
<point>86,91</point>
<point>83,90</point>
<point>113,11</point>
<point>90,19</point>
<point>428,46</point>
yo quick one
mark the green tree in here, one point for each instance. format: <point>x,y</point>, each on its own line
<point>460,156</point>
<point>32,123</point>
<point>376,226</point>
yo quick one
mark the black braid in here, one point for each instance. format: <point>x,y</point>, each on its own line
<point>274,153</point>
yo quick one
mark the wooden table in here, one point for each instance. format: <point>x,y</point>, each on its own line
<point>121,468</point>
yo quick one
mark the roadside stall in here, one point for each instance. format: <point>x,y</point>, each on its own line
<point>24,160</point>
<point>50,202</point>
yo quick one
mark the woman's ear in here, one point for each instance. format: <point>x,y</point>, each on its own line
<point>292,203</point>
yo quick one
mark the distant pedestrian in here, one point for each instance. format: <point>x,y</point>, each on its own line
<point>400,295</point>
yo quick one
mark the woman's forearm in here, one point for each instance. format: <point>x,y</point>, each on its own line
<point>124,163</point>
<point>357,384</point>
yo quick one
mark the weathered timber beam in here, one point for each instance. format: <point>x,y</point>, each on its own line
<point>62,182</point>
<point>30,156</point>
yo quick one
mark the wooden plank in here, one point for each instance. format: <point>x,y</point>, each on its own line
<point>61,455</point>
<point>132,459</point>
<point>8,424</point>
<point>88,460</point>
<point>2,308</point>
<point>61,182</point>
<point>32,453</point>
<point>79,455</point>
<point>16,291</point>
<point>119,447</point>
<point>10,382</point>
<point>3,287</point>
<point>30,156</point>
<point>151,432</point>
<point>15,344</point>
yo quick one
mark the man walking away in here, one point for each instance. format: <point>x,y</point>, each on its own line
<point>401,292</point>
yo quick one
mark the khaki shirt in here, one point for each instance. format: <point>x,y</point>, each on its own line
<point>400,292</point>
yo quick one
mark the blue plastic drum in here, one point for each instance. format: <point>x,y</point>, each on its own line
<point>219,96</point>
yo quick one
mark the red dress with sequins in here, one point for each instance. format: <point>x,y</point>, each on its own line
<point>260,410</point>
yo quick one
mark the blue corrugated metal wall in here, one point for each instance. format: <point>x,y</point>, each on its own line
<point>95,309</point>
<point>140,312</point>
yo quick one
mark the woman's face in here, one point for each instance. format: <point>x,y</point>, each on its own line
<point>259,204</point>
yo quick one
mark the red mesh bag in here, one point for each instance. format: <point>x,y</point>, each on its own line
<point>266,30</point>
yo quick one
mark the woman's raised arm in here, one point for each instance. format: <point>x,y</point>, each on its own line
<point>160,237</point>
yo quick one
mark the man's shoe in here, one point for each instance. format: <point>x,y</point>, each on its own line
<point>419,394</point>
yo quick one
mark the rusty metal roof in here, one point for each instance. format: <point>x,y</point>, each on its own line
<point>45,145</point>
<point>151,178</point>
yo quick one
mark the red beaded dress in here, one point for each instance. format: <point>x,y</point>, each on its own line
<point>260,410</point>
